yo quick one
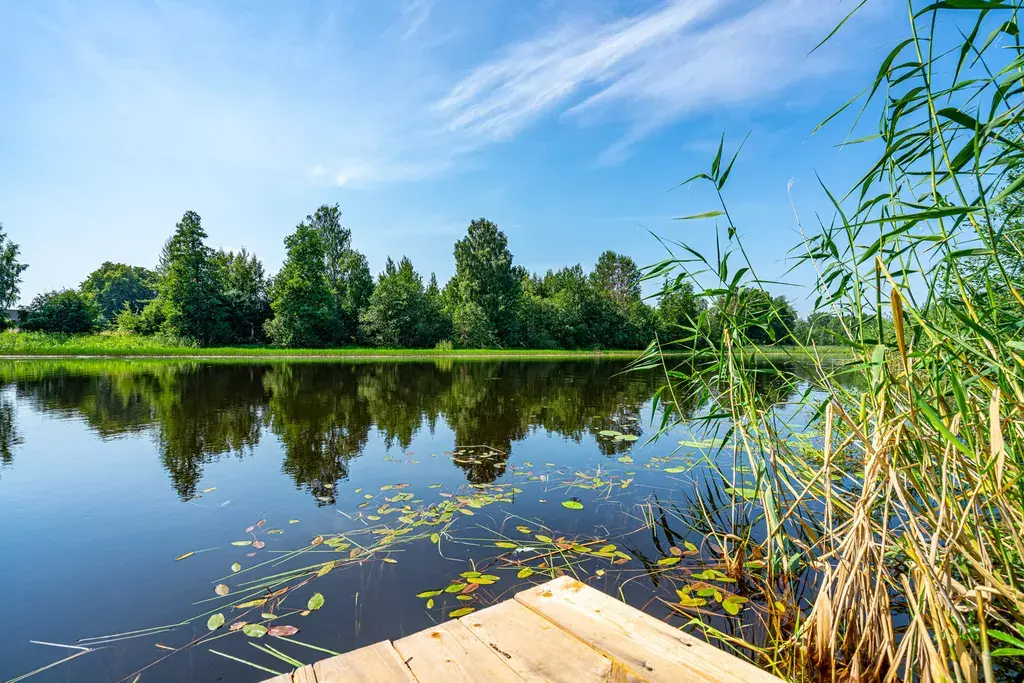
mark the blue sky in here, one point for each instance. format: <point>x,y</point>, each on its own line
<point>566,122</point>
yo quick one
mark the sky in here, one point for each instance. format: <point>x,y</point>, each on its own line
<point>566,122</point>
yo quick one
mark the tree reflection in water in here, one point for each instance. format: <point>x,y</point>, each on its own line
<point>323,414</point>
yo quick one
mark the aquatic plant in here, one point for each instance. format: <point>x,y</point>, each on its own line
<point>906,498</point>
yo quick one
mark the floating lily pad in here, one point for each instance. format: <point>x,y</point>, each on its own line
<point>215,621</point>
<point>572,504</point>
<point>254,630</point>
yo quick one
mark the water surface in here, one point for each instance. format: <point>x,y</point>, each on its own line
<point>109,470</point>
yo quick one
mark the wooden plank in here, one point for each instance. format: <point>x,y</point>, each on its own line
<point>283,678</point>
<point>648,647</point>
<point>304,675</point>
<point>449,653</point>
<point>377,663</point>
<point>536,649</point>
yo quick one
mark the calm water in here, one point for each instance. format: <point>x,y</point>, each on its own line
<point>111,470</point>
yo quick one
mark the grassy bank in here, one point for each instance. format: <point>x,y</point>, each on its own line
<point>20,344</point>
<point>800,352</point>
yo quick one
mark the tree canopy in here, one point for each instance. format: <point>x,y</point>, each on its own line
<point>114,286</point>
<point>325,295</point>
<point>485,277</point>
<point>305,314</point>
<point>10,271</point>
<point>190,288</point>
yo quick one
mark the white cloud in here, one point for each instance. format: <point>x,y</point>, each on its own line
<point>415,14</point>
<point>286,93</point>
<point>649,70</point>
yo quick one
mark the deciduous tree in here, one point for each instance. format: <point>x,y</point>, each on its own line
<point>300,297</point>
<point>10,271</point>
<point>114,286</point>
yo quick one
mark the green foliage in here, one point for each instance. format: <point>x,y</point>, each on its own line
<point>347,270</point>
<point>903,504</point>
<point>10,271</point>
<point>485,278</point>
<point>116,286</point>
<point>617,277</point>
<point>246,296</point>
<point>678,316</point>
<point>763,319</point>
<point>399,313</point>
<point>148,321</point>
<point>471,328</point>
<point>65,312</point>
<point>354,290</point>
<point>304,308</point>
<point>190,288</point>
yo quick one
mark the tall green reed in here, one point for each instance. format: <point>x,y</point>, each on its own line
<point>909,509</point>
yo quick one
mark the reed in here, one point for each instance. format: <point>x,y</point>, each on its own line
<point>905,505</point>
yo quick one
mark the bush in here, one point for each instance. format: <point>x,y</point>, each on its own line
<point>66,311</point>
<point>147,322</point>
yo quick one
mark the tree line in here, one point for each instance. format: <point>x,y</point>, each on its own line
<point>325,296</point>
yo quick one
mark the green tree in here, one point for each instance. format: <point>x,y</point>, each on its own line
<point>763,319</point>
<point>618,277</point>
<point>471,328</point>
<point>347,270</point>
<point>190,288</point>
<point>246,295</point>
<point>149,320</point>
<point>114,286</point>
<point>438,319</point>
<point>10,271</point>
<point>484,276</point>
<point>398,314</point>
<point>300,296</point>
<point>354,290</point>
<point>67,311</point>
<point>679,310</point>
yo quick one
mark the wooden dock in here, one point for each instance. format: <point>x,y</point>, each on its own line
<point>562,630</point>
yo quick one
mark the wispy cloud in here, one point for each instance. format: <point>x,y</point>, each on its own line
<point>649,70</point>
<point>301,94</point>
<point>414,15</point>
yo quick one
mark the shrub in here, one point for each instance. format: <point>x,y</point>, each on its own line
<point>147,322</point>
<point>66,311</point>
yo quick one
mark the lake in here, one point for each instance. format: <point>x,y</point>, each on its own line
<point>142,499</point>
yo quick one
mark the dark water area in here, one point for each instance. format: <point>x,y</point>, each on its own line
<point>110,470</point>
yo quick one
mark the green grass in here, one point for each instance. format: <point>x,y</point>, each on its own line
<point>14,344</point>
<point>801,352</point>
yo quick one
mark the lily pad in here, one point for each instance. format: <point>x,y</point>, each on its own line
<point>221,589</point>
<point>254,630</point>
<point>572,504</point>
<point>733,604</point>
<point>315,602</point>
<point>215,621</point>
<point>461,612</point>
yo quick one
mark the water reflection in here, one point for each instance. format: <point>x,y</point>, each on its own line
<point>323,414</point>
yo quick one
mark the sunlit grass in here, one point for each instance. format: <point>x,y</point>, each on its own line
<point>40,344</point>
